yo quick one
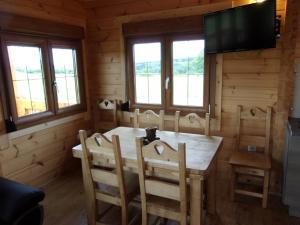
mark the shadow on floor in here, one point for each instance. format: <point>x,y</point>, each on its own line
<point>65,205</point>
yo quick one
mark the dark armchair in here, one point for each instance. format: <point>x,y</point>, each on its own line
<point>19,204</point>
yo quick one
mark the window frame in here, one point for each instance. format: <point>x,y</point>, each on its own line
<point>7,40</point>
<point>170,104</point>
<point>166,63</point>
<point>131,74</point>
<point>77,47</point>
<point>46,44</point>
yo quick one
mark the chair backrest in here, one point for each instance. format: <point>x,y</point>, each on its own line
<point>192,121</point>
<point>149,117</point>
<point>254,115</point>
<point>158,154</point>
<point>109,105</point>
<point>96,175</point>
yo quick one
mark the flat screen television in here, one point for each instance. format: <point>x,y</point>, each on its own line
<point>242,28</point>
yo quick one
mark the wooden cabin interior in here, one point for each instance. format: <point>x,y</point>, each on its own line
<point>110,69</point>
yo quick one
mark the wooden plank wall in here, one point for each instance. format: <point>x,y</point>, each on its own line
<point>297,49</point>
<point>249,78</point>
<point>38,157</point>
<point>2,123</point>
<point>66,11</point>
<point>286,81</point>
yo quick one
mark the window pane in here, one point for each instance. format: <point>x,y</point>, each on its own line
<point>188,73</point>
<point>147,66</point>
<point>28,79</point>
<point>66,76</point>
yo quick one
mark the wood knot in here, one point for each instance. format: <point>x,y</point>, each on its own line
<point>40,163</point>
<point>30,137</point>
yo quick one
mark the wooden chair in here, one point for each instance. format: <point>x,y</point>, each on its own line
<point>163,198</point>
<point>192,120</point>
<point>149,117</point>
<point>108,109</point>
<point>256,163</point>
<point>113,186</point>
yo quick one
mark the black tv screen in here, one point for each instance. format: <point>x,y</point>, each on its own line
<point>242,28</point>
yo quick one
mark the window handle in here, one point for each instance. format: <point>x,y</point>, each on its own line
<point>54,85</point>
<point>167,83</point>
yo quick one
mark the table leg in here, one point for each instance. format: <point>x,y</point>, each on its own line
<point>211,189</point>
<point>89,198</point>
<point>196,200</point>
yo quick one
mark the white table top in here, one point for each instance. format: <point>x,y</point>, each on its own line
<point>200,149</point>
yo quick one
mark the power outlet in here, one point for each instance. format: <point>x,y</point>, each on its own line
<point>251,148</point>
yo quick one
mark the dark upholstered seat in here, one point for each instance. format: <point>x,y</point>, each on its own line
<point>19,203</point>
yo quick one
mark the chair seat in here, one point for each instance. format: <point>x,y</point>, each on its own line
<point>131,185</point>
<point>16,199</point>
<point>251,159</point>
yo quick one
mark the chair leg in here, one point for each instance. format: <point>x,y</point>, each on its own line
<point>232,184</point>
<point>124,215</point>
<point>266,189</point>
<point>144,216</point>
<point>183,219</point>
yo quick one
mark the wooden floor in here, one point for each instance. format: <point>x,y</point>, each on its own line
<point>64,205</point>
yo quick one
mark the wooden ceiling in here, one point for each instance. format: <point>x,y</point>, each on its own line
<point>102,3</point>
<point>105,3</point>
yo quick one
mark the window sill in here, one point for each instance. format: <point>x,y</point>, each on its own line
<point>46,125</point>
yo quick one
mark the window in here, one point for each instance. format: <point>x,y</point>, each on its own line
<point>28,79</point>
<point>66,77</point>
<point>147,70</point>
<point>188,73</point>
<point>44,78</point>
<point>169,72</point>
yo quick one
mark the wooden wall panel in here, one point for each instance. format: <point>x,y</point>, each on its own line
<point>28,158</point>
<point>2,123</point>
<point>289,58</point>
<point>66,11</point>
<point>297,32</point>
<point>249,78</point>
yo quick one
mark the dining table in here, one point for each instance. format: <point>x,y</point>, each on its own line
<point>201,159</point>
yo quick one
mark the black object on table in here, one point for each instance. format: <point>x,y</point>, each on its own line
<point>125,106</point>
<point>146,141</point>
<point>150,135</point>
